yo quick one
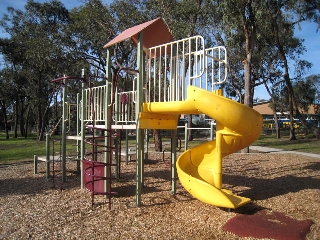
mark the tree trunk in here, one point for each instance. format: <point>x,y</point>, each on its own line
<point>290,99</point>
<point>21,120</point>
<point>316,132</point>
<point>7,128</point>
<point>285,75</point>
<point>249,29</point>
<point>39,122</point>
<point>278,133</point>
<point>247,88</point>
<point>274,109</point>
<point>5,119</point>
<point>27,122</point>
<point>16,120</point>
<point>157,140</point>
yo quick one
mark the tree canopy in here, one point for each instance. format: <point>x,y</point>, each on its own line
<point>46,40</point>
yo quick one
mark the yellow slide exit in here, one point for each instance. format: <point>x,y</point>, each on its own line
<point>200,168</point>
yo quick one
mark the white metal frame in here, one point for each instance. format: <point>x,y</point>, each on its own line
<point>174,66</point>
<point>171,68</point>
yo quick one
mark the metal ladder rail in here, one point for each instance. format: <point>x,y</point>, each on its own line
<point>59,159</point>
<point>93,170</point>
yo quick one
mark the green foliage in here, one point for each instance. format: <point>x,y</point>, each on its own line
<point>305,93</point>
<point>38,55</point>
<point>89,29</point>
<point>46,40</point>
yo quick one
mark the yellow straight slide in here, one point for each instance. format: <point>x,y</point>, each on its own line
<point>200,168</point>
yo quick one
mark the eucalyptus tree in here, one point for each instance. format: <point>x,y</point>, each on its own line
<point>11,87</point>
<point>238,31</point>
<point>125,14</point>
<point>89,29</point>
<point>271,77</point>
<point>14,85</point>
<point>185,18</point>
<point>6,99</point>
<point>306,93</point>
<point>282,29</point>
<point>282,16</point>
<point>277,44</point>
<point>259,34</point>
<point>38,33</point>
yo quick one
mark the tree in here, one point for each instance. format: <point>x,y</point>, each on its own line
<point>90,28</point>
<point>14,84</point>
<point>37,34</point>
<point>282,23</point>
<point>176,14</point>
<point>46,41</point>
<point>306,94</point>
<point>5,99</point>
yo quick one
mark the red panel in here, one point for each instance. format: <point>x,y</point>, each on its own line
<point>98,178</point>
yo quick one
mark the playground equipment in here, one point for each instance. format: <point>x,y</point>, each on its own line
<point>200,168</point>
<point>61,155</point>
<point>172,78</point>
<point>181,76</point>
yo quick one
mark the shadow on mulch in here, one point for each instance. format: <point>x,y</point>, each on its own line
<point>261,188</point>
<point>15,186</point>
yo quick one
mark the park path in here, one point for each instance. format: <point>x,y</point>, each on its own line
<point>277,150</point>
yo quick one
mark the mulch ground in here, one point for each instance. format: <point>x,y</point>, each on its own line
<point>285,190</point>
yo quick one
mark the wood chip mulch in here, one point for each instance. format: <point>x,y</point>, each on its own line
<point>30,208</point>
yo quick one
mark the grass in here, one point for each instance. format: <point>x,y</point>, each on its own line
<point>302,144</point>
<point>21,149</point>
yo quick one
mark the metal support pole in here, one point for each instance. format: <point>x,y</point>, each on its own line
<point>211,131</point>
<point>64,131</point>
<point>139,135</point>
<point>116,156</point>
<point>107,143</point>
<point>82,127</point>
<point>173,160</point>
<point>116,107</point>
<point>186,136</point>
<point>35,164</point>
<point>47,155</point>
<point>146,144</point>
<point>107,154</point>
<point>78,133</point>
<point>127,146</point>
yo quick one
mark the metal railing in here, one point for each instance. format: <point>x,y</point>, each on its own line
<point>173,66</point>
<point>97,108</point>
<point>123,109</point>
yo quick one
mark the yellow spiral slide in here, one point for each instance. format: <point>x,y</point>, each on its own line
<point>200,168</point>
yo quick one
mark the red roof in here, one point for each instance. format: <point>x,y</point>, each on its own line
<point>263,108</point>
<point>155,32</point>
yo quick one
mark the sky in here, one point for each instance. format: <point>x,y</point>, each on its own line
<point>308,32</point>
